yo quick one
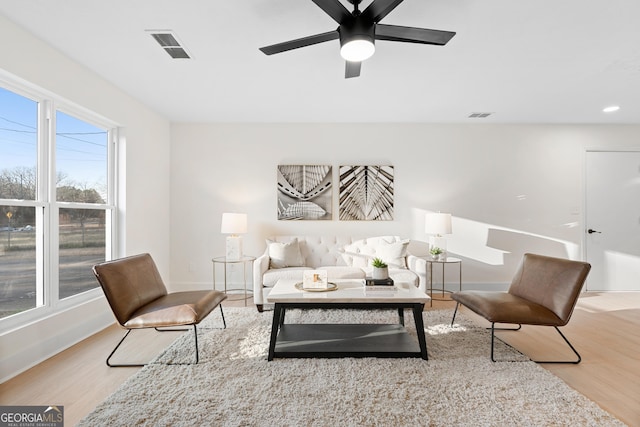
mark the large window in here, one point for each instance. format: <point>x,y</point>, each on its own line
<point>57,202</point>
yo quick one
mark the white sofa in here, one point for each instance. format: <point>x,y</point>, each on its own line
<point>344,257</point>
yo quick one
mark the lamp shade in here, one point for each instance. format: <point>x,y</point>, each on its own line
<point>233,223</point>
<point>437,223</point>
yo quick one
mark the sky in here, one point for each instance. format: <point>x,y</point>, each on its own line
<point>81,148</point>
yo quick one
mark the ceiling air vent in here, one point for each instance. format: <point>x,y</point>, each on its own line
<point>479,115</point>
<point>169,42</point>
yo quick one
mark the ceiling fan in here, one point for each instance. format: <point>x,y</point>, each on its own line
<point>358,31</point>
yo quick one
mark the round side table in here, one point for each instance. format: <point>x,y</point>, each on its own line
<point>243,261</point>
<point>443,263</point>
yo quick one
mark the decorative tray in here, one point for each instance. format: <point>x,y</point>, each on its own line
<point>331,287</point>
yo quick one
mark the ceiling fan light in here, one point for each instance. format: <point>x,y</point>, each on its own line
<point>357,50</point>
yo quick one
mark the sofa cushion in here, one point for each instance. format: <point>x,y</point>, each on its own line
<point>391,249</point>
<point>394,254</point>
<point>360,252</point>
<point>270,278</point>
<point>283,255</point>
<point>343,272</point>
<point>404,275</point>
<point>273,275</point>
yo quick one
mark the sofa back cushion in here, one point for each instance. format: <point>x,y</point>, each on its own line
<point>394,253</point>
<point>318,251</point>
<point>285,254</point>
<point>391,249</point>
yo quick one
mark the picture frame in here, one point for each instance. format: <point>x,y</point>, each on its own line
<point>305,192</point>
<point>315,279</point>
<point>366,193</point>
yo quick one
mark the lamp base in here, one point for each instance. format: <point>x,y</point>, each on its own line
<point>440,243</point>
<point>234,248</point>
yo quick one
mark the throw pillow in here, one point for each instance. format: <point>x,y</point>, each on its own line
<point>358,254</point>
<point>283,255</point>
<point>394,254</point>
<point>355,259</point>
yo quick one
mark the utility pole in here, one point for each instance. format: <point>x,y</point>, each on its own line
<point>9,215</point>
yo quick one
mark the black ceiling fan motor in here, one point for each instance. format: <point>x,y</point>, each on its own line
<point>364,25</point>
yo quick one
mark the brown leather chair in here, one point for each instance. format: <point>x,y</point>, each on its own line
<point>139,299</point>
<point>543,292</point>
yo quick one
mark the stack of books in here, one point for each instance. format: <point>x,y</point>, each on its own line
<point>376,285</point>
<point>378,282</point>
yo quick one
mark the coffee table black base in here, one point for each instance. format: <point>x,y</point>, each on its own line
<point>360,340</point>
<point>346,340</point>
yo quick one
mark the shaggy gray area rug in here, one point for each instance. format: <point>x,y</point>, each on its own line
<point>234,385</point>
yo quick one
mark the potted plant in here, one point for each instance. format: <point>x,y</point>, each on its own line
<point>437,253</point>
<point>380,269</point>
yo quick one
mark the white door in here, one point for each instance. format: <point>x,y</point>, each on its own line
<point>612,220</point>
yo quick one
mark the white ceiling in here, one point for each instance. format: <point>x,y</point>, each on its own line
<point>526,61</point>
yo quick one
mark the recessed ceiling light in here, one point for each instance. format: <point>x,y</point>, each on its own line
<point>611,109</point>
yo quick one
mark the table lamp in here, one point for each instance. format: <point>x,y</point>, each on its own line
<point>234,224</point>
<point>437,224</point>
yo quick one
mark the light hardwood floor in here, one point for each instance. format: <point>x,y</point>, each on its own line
<point>605,328</point>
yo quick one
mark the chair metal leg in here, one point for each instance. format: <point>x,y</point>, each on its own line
<point>195,340</point>
<point>224,322</point>
<point>509,329</point>
<point>171,330</point>
<point>454,313</point>
<point>493,329</point>
<point>137,365</point>
<point>574,362</point>
<point>114,350</point>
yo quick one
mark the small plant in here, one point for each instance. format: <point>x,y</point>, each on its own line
<point>378,263</point>
<point>435,251</point>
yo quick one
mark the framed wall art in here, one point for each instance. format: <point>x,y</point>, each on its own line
<point>305,192</point>
<point>366,193</point>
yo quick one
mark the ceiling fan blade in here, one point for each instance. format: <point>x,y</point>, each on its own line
<point>379,9</point>
<point>352,69</point>
<point>396,33</point>
<point>297,43</point>
<point>334,9</point>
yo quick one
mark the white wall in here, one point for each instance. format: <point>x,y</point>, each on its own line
<point>145,179</point>
<point>511,188</point>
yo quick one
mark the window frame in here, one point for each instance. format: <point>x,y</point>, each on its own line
<point>47,237</point>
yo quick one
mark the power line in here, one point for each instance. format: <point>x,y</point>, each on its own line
<point>17,130</point>
<point>82,133</point>
<point>66,135</point>
<point>17,123</point>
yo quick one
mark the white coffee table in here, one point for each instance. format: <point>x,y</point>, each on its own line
<point>346,340</point>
